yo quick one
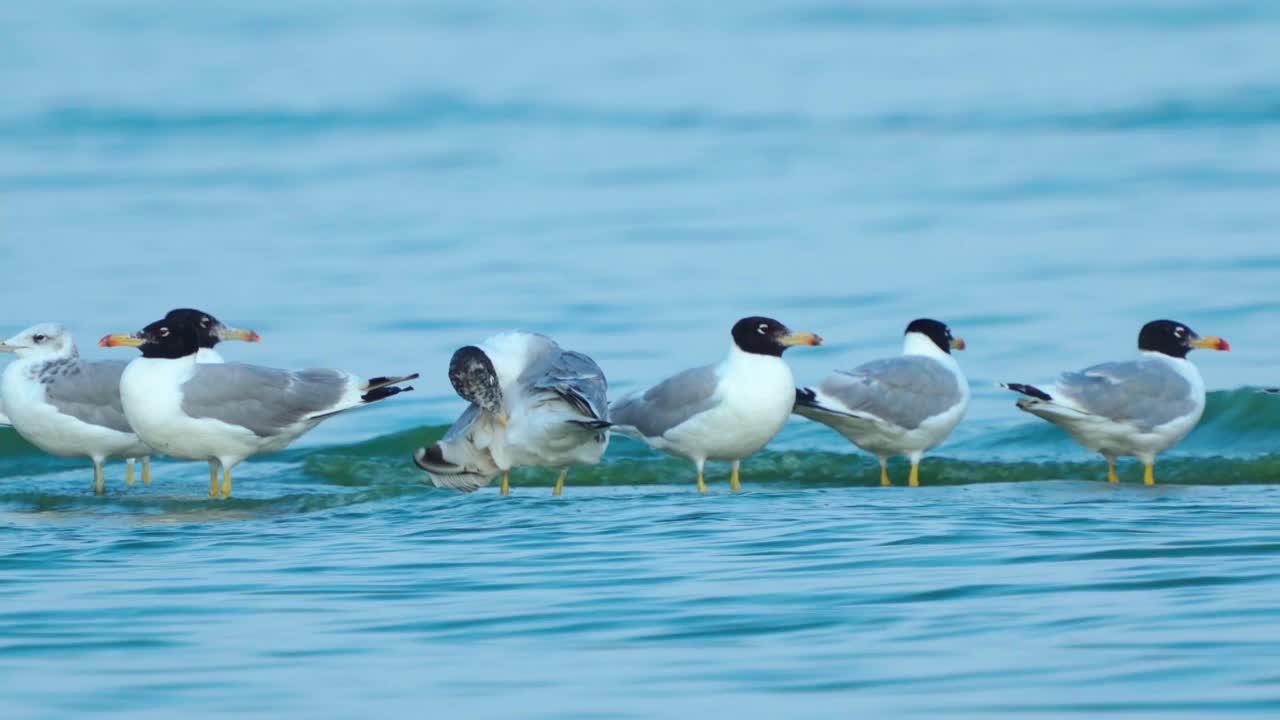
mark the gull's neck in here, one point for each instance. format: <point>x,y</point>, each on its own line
<point>741,358</point>
<point>914,343</point>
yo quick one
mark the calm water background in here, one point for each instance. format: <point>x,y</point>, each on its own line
<point>370,185</point>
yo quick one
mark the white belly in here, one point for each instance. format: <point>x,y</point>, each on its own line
<point>755,399</point>
<point>40,424</point>
<point>150,391</point>
<point>541,437</point>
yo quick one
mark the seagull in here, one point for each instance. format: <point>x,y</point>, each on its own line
<point>209,332</point>
<point>1137,407</point>
<point>64,405</point>
<point>533,403</point>
<point>224,412</point>
<point>896,406</point>
<point>726,411</point>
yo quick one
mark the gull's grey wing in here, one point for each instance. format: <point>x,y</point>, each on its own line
<point>264,400</point>
<point>905,391</point>
<point>575,378</point>
<point>88,391</point>
<point>1146,393</point>
<point>669,403</point>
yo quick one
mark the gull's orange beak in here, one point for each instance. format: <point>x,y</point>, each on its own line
<point>120,339</point>
<point>958,344</point>
<point>1211,343</point>
<point>239,334</point>
<point>800,338</point>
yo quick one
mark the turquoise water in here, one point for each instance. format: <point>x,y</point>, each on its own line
<point>372,185</point>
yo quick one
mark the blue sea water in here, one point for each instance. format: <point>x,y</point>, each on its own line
<point>371,185</point>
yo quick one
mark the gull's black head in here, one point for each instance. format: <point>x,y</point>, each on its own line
<point>766,336</point>
<point>939,333</point>
<point>171,340</point>
<point>1175,339</point>
<point>209,329</point>
<point>474,379</point>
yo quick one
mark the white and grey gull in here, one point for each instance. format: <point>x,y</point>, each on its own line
<point>65,405</point>
<point>1136,408</point>
<point>533,404</point>
<point>905,405</point>
<point>225,412</point>
<point>727,411</point>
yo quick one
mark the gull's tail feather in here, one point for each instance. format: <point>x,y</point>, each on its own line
<point>1029,390</point>
<point>809,405</point>
<point>381,382</point>
<point>381,388</point>
<point>446,474</point>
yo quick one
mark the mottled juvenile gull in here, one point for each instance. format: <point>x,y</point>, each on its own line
<point>64,405</point>
<point>533,403</point>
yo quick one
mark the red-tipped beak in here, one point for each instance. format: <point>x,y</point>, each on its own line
<point>118,339</point>
<point>1212,343</point>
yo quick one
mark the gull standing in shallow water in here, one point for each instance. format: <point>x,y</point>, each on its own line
<point>64,405</point>
<point>209,332</point>
<point>533,403</point>
<point>719,412</point>
<point>896,406</point>
<point>225,412</point>
<point>1138,407</point>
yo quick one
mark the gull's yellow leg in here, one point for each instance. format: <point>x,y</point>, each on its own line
<point>734,483</point>
<point>213,481</point>
<point>1149,476</point>
<point>702,485</point>
<point>884,473</point>
<point>914,479</point>
<point>559,488</point>
<point>128,472</point>
<point>226,483</point>
<point>506,485</point>
<point>1111,472</point>
<point>146,469</point>
<point>99,481</point>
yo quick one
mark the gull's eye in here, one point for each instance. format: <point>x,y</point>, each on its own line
<point>163,332</point>
<point>1179,331</point>
<point>39,337</point>
<point>204,322</point>
<point>762,328</point>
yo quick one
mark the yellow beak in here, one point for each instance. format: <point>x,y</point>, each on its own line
<point>239,334</point>
<point>958,344</point>
<point>502,419</point>
<point>120,339</point>
<point>1212,343</point>
<point>800,338</point>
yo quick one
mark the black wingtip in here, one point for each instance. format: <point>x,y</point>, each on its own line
<point>1030,390</point>
<point>1271,391</point>
<point>384,392</point>
<point>806,397</point>
<point>591,424</point>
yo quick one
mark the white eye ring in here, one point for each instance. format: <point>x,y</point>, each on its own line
<point>1180,331</point>
<point>762,328</point>
<point>164,332</point>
